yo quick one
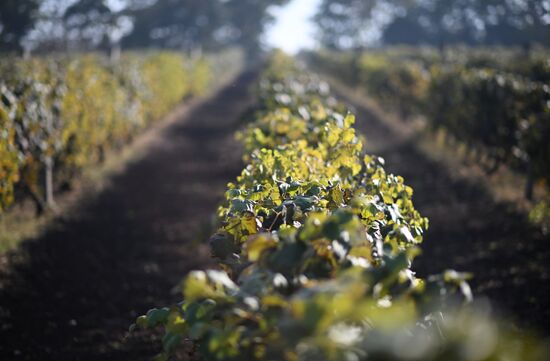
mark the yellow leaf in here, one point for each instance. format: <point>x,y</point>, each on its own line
<point>349,120</point>
<point>257,244</point>
<point>248,223</point>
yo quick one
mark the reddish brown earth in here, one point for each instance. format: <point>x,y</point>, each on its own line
<point>469,231</point>
<point>72,293</point>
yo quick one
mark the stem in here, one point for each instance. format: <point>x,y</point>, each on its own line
<point>39,204</point>
<point>274,221</point>
<point>48,182</point>
<point>530,184</point>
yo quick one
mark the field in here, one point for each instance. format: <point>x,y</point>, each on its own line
<point>346,224</point>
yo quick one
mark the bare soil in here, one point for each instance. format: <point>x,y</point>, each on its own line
<point>71,293</point>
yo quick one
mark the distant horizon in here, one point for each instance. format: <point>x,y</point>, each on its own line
<point>293,29</point>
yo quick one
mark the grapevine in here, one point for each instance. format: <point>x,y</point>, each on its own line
<point>316,247</point>
<point>58,115</point>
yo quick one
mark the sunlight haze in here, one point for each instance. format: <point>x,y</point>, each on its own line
<point>293,29</point>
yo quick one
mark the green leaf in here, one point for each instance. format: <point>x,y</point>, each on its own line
<point>257,244</point>
<point>222,245</point>
<point>157,316</point>
<point>241,206</point>
<point>287,257</point>
<point>170,341</point>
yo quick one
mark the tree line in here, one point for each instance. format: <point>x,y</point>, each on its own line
<point>46,25</point>
<point>354,23</point>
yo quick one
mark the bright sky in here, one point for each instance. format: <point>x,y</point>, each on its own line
<point>293,29</point>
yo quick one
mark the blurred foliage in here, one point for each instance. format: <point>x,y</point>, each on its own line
<point>540,214</point>
<point>352,23</point>
<point>404,87</point>
<point>9,164</point>
<point>89,21</point>
<point>17,17</point>
<point>494,102</point>
<point>208,24</point>
<point>69,111</point>
<point>84,25</point>
<point>180,23</point>
<point>316,245</point>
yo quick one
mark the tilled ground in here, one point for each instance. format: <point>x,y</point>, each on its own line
<point>72,293</point>
<point>468,231</point>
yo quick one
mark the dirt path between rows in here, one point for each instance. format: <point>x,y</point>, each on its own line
<point>468,230</point>
<point>72,293</point>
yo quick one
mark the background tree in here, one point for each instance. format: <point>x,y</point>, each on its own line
<point>173,24</point>
<point>434,22</point>
<point>190,24</point>
<point>473,22</point>
<point>184,24</point>
<point>17,17</point>
<point>88,22</point>
<point>344,23</point>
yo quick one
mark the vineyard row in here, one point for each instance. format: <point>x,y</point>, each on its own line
<point>316,245</point>
<point>60,114</point>
<point>497,104</point>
